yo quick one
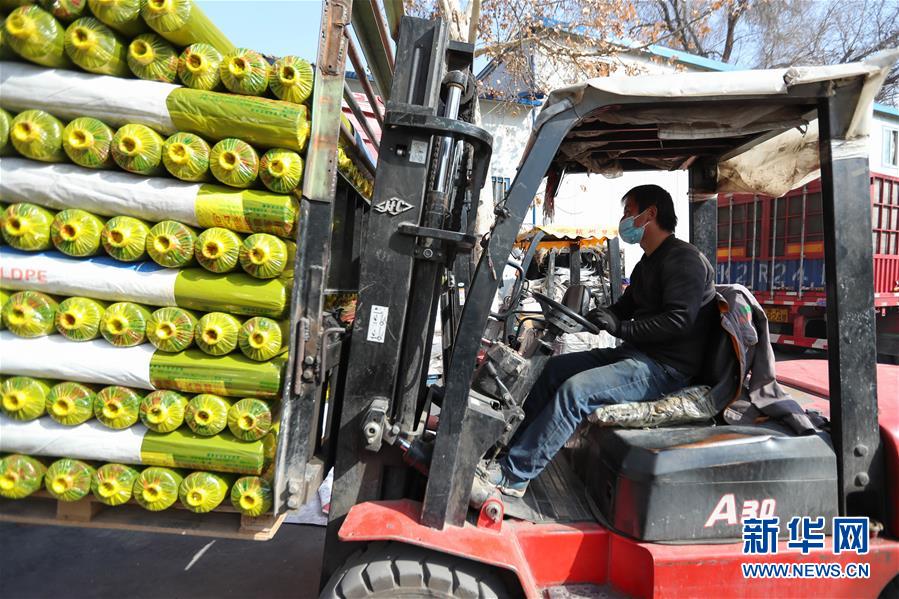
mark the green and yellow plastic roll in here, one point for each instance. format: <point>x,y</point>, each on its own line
<point>262,338</point>
<point>71,404</point>
<point>113,484</point>
<point>88,143</point>
<point>235,293</point>
<point>163,411</point>
<point>37,135</point>
<point>265,256</point>
<point>202,492</point>
<point>76,232</point>
<point>36,36</point>
<point>281,171</point>
<point>25,398</point>
<point>250,419</point>
<point>207,414</point>
<point>247,210</point>
<point>69,480</point>
<point>216,333</point>
<point>121,15</point>
<point>291,79</point>
<point>198,67</point>
<point>64,10</point>
<point>234,163</point>
<point>4,297</point>
<point>20,476</point>
<point>26,227</point>
<point>232,375</point>
<point>5,51</point>
<point>171,244</point>
<point>186,156</point>
<point>171,329</point>
<point>117,407</point>
<point>137,149</point>
<point>152,58</point>
<point>245,72</point>
<point>30,314</point>
<point>124,324</point>
<point>125,238</point>
<point>79,318</point>
<point>95,48</point>
<point>183,23</point>
<point>251,495</point>
<point>156,489</point>
<point>218,249</point>
<point>5,121</point>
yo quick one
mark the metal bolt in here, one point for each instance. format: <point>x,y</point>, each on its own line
<point>293,502</point>
<point>293,488</point>
<point>372,429</point>
<point>309,360</point>
<point>493,512</point>
<point>308,373</point>
<point>861,450</point>
<point>861,479</point>
<point>428,253</point>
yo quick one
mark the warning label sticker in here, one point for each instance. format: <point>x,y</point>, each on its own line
<point>377,325</point>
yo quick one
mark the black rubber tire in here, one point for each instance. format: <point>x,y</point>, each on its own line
<point>891,590</point>
<point>395,571</point>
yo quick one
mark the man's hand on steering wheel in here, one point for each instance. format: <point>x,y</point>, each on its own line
<point>605,319</point>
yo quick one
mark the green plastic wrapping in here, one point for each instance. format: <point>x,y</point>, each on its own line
<point>121,15</point>
<point>20,476</point>
<point>262,339</point>
<point>281,171</point>
<point>125,238</point>
<point>137,149</point>
<point>79,318</point>
<point>96,48</point>
<point>245,72</point>
<point>113,483</point>
<point>216,333</point>
<point>171,244</point>
<point>88,142</point>
<point>183,23</point>
<point>233,375</point>
<point>76,232</point>
<point>70,403</point>
<point>64,10</point>
<point>6,52</point>
<point>183,448</point>
<point>246,211</point>
<point>125,324</point>
<point>235,293</point>
<point>117,407</point>
<point>207,414</point>
<point>291,79</point>
<point>202,492</point>
<point>218,249</point>
<point>171,329</point>
<point>26,227</point>
<point>264,256</point>
<point>198,67</point>
<point>30,314</point>
<point>36,36</point>
<point>69,480</point>
<point>151,57</point>
<point>251,495</point>
<point>163,411</point>
<point>234,163</point>
<point>4,297</point>
<point>24,397</point>
<point>156,489</point>
<point>5,120</point>
<point>260,121</point>
<point>37,135</point>
<point>186,156</point>
<point>250,419</point>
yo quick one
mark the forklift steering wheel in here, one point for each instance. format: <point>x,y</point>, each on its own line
<point>562,316</point>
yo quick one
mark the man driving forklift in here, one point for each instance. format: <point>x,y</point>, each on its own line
<point>663,318</point>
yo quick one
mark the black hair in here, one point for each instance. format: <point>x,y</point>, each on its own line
<point>647,196</point>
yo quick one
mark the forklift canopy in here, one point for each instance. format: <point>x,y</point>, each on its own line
<point>759,146</point>
<point>563,237</point>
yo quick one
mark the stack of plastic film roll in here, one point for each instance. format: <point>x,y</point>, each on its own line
<point>151,57</point>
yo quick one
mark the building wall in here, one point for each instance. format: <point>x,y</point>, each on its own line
<point>881,124</point>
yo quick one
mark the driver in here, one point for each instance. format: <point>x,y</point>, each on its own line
<point>663,318</point>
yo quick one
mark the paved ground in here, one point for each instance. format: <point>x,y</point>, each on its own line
<point>53,562</point>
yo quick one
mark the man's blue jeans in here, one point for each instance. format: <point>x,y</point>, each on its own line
<point>571,387</point>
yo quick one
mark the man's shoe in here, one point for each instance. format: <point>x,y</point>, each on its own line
<point>493,477</point>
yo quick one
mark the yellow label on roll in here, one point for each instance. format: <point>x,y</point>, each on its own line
<point>225,210</point>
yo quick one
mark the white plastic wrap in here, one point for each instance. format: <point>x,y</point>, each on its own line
<point>56,357</point>
<point>88,441</point>
<point>70,94</point>
<point>105,193</point>
<point>99,278</point>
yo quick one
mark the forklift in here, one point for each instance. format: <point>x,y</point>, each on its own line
<point>629,513</point>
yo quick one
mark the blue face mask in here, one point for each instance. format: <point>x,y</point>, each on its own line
<point>628,232</point>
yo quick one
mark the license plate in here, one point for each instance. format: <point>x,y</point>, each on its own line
<point>780,315</point>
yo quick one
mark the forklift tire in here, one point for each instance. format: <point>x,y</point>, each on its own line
<point>395,570</point>
<point>891,590</point>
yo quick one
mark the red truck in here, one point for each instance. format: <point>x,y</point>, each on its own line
<point>775,246</point>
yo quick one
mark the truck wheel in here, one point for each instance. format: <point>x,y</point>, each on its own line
<point>394,571</point>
